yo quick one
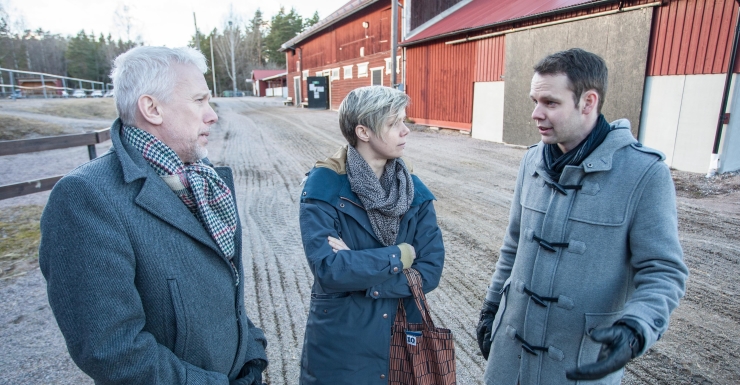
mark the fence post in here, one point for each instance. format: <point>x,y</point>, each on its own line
<point>43,85</point>
<point>91,151</point>
<point>12,86</point>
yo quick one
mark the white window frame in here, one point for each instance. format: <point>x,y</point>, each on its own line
<point>305,75</point>
<point>362,71</point>
<point>348,71</point>
<point>362,51</point>
<point>381,75</point>
<point>334,74</point>
<point>388,65</point>
<point>298,65</point>
<point>320,73</point>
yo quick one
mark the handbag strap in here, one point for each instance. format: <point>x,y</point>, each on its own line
<point>415,283</point>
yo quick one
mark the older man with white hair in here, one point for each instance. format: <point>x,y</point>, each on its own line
<point>141,247</point>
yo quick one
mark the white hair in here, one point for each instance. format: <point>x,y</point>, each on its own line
<point>148,71</point>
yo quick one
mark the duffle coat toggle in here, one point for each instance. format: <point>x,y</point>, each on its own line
<point>560,188</point>
<point>550,246</point>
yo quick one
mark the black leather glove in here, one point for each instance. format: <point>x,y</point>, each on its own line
<point>621,343</point>
<point>485,324</point>
<point>251,373</point>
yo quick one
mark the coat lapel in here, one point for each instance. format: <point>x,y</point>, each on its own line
<point>156,198</point>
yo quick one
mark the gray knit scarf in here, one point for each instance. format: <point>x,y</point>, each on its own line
<point>385,200</point>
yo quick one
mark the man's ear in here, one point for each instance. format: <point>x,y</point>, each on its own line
<point>150,109</point>
<point>590,101</point>
<point>362,133</point>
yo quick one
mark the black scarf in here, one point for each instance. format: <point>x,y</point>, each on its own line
<point>555,160</point>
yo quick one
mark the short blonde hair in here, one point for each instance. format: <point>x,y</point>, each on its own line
<point>372,107</point>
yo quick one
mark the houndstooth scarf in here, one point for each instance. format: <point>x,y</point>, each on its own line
<point>385,200</point>
<point>199,187</point>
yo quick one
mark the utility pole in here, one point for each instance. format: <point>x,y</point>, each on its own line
<point>394,40</point>
<point>213,69</point>
<point>232,46</point>
<point>197,34</point>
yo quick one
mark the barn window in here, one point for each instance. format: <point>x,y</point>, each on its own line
<point>362,70</point>
<point>348,72</point>
<point>335,73</point>
<point>377,76</point>
<point>388,65</point>
<point>305,75</point>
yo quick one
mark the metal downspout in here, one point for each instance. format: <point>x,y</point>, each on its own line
<point>714,163</point>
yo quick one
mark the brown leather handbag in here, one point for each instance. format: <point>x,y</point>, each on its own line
<point>421,354</point>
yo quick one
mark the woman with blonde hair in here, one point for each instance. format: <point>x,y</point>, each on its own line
<point>364,219</point>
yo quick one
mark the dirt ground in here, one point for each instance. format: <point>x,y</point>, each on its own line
<point>270,147</point>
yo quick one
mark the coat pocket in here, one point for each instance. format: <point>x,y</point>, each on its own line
<point>181,326</point>
<point>589,351</point>
<point>501,307</point>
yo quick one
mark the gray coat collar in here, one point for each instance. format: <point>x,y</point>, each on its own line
<point>601,158</point>
<point>156,197</point>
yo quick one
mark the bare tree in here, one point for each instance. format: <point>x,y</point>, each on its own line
<point>231,46</point>
<point>126,23</point>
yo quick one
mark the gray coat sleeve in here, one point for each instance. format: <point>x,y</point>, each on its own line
<point>90,268</point>
<point>507,254</point>
<point>656,256</point>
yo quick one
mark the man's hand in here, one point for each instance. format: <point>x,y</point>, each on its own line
<point>621,343</point>
<point>337,244</point>
<point>485,324</point>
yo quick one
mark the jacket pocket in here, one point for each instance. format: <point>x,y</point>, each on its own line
<point>501,308</point>
<point>181,327</point>
<point>589,351</point>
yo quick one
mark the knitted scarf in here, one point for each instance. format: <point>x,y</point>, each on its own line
<point>555,160</point>
<point>200,188</point>
<point>385,199</point>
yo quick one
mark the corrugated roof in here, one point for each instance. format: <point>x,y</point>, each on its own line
<point>346,10</point>
<point>262,74</point>
<point>275,76</point>
<point>480,14</point>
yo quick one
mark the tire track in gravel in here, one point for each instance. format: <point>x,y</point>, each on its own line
<point>271,147</point>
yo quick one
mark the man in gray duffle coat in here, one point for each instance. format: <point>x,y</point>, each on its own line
<point>141,247</point>
<point>591,267</point>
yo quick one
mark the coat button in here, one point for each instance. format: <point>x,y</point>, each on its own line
<point>375,294</point>
<point>325,311</point>
<point>395,270</point>
<point>658,322</point>
<point>304,193</point>
<point>341,205</point>
<point>382,376</point>
<point>394,255</point>
<point>385,315</point>
<point>589,165</point>
<point>638,144</point>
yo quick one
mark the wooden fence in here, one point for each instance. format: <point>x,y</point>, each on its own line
<point>12,147</point>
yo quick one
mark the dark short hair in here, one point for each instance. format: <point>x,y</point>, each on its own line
<point>585,71</point>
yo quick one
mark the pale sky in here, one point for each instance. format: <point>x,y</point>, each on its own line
<point>158,22</point>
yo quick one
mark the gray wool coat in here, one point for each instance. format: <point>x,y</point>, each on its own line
<point>582,258</point>
<point>141,292</point>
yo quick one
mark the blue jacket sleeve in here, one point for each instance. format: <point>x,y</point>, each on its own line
<point>90,267</point>
<point>430,257</point>
<point>371,270</point>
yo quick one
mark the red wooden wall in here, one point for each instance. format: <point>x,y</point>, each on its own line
<point>691,37</point>
<point>339,45</point>
<point>440,79</point>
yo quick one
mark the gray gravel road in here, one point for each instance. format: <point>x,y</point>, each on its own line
<point>271,147</point>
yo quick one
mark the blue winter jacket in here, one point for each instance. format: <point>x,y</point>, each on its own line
<point>355,292</point>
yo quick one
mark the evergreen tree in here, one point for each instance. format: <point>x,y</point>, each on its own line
<point>311,21</point>
<point>283,27</point>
